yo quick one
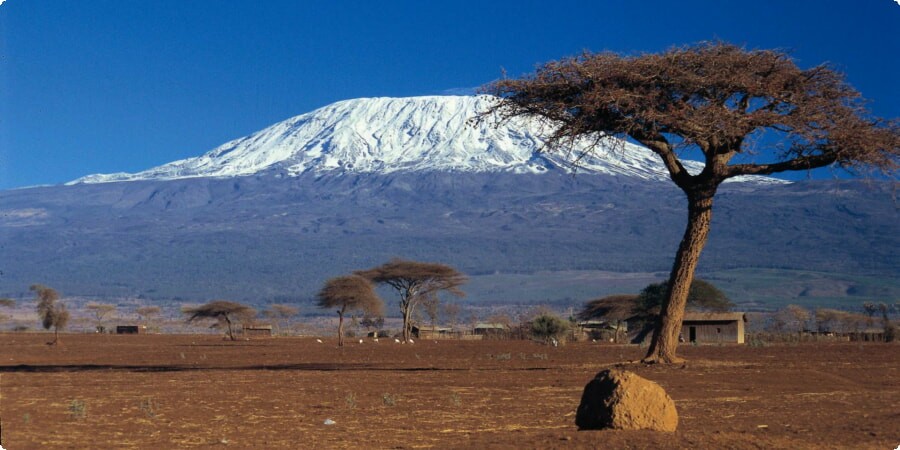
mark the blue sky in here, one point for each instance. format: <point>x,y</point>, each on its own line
<point>99,86</point>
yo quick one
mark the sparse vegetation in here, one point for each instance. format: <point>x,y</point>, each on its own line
<point>455,399</point>
<point>350,400</point>
<point>77,409</point>
<point>389,399</point>
<point>149,407</point>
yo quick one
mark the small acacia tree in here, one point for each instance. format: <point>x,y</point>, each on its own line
<point>100,311</point>
<point>147,316</point>
<point>52,313</point>
<point>721,100</point>
<point>349,293</point>
<point>221,310</point>
<point>415,281</point>
<point>612,308</point>
<point>146,313</point>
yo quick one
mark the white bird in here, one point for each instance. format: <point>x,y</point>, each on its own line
<point>360,341</point>
<point>411,341</point>
<point>319,341</point>
<point>397,340</point>
<point>375,339</point>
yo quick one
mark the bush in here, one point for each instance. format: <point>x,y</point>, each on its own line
<point>548,327</point>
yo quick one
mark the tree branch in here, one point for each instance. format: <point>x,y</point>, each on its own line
<point>800,163</point>
<point>659,145</point>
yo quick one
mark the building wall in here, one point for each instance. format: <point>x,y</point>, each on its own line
<point>713,331</point>
<point>257,331</point>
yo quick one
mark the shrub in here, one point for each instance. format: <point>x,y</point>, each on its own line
<point>548,327</point>
<point>77,409</point>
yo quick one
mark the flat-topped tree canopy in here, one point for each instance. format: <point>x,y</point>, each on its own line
<point>415,282</point>
<point>615,307</point>
<point>425,277</point>
<point>348,293</point>
<point>749,112</point>
<point>717,97</point>
<point>223,310</point>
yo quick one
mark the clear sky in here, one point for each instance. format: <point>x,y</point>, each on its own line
<point>100,86</point>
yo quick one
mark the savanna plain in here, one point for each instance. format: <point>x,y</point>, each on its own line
<point>185,391</point>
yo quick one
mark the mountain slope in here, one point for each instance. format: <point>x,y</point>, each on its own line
<point>268,238</point>
<point>386,135</point>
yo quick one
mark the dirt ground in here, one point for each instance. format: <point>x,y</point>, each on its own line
<point>156,391</point>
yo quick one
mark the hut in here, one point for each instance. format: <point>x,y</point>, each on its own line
<point>713,328</point>
<point>130,329</point>
<point>432,332</point>
<point>600,330</point>
<point>490,329</point>
<point>257,330</point>
<point>868,335</point>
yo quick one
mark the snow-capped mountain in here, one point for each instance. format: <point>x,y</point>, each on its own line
<point>385,135</point>
<point>270,216</point>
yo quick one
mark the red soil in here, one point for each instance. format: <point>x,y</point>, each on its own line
<point>99,391</point>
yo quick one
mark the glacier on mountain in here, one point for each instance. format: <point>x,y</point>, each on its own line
<point>384,135</point>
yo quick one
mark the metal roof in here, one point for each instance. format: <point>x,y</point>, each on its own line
<point>714,316</point>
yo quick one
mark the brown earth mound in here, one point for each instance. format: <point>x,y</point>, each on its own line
<point>621,400</point>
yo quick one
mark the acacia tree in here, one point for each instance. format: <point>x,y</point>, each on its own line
<point>415,282</point>
<point>702,295</point>
<point>100,311</point>
<point>221,310</point>
<point>726,102</point>
<point>52,313</point>
<point>349,293</point>
<point>617,308</point>
<point>146,313</point>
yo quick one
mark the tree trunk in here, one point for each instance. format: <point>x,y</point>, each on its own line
<point>668,326</point>
<point>55,336</point>
<point>340,328</point>
<point>407,326</point>
<point>230,331</point>
<point>407,320</point>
